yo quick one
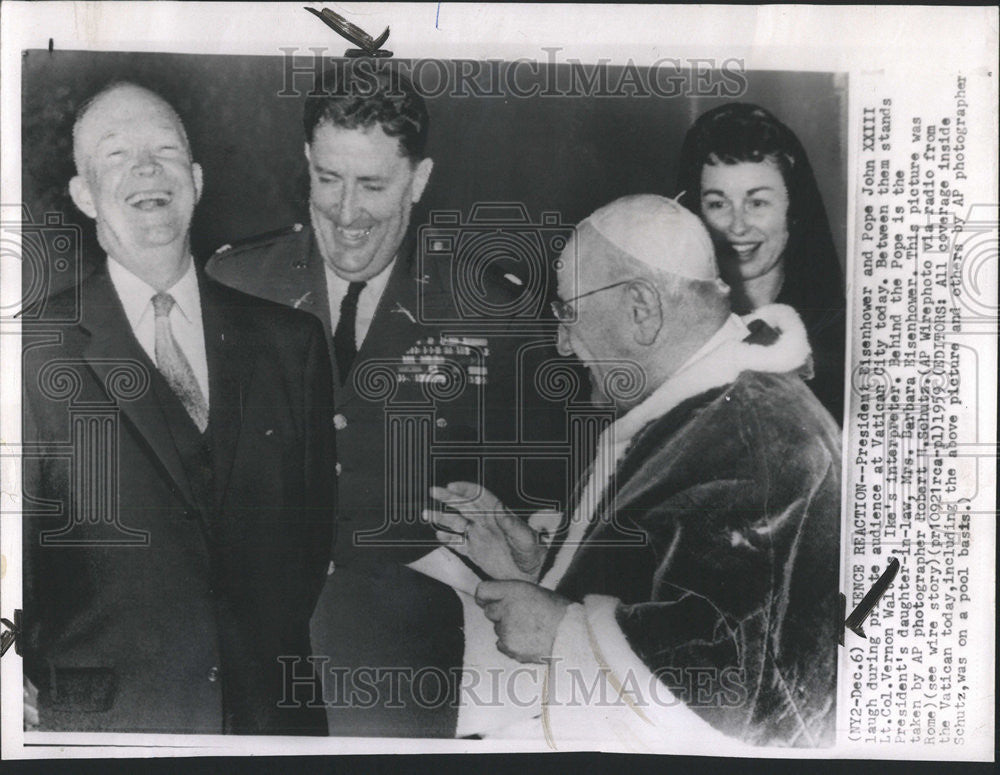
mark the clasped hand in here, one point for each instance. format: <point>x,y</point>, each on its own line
<point>525,616</point>
<point>486,532</point>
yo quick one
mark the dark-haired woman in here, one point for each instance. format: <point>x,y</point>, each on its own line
<point>748,177</point>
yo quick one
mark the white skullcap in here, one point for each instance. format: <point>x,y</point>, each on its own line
<point>658,232</point>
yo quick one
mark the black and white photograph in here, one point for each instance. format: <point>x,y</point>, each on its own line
<point>383,392</point>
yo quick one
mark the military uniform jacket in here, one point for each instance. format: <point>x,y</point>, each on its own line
<point>434,395</point>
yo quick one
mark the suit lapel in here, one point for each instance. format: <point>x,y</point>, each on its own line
<point>316,298</point>
<point>111,342</point>
<point>231,362</point>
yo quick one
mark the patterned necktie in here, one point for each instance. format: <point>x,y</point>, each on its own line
<point>174,366</point>
<point>345,348</point>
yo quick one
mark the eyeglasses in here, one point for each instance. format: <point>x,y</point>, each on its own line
<point>562,311</point>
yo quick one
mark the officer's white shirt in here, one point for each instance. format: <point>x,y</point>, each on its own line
<point>336,290</point>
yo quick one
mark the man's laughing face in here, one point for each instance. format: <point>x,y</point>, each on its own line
<point>135,176</point>
<point>362,188</point>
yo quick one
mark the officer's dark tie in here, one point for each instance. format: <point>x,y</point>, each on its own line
<point>345,348</point>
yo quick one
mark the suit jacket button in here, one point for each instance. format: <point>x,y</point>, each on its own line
<point>213,674</point>
<point>339,422</point>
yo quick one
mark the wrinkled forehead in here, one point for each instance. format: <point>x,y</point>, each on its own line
<point>123,109</point>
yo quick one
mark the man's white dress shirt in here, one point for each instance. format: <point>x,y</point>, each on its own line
<point>185,316</point>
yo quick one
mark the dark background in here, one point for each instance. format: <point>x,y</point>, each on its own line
<point>565,154</point>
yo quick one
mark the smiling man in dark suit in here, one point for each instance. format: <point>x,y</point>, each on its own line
<point>180,482</point>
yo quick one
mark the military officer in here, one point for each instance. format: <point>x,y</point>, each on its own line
<point>429,379</point>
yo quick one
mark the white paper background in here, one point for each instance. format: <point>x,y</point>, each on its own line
<point>913,52</point>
